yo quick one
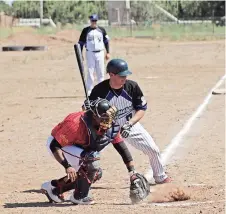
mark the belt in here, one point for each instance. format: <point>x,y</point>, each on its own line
<point>95,51</point>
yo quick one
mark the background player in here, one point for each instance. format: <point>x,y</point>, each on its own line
<point>128,98</point>
<point>95,39</point>
<point>75,144</point>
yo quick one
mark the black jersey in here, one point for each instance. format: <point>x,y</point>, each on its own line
<point>127,100</point>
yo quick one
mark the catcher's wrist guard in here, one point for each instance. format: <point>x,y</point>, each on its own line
<point>139,188</point>
<point>65,164</point>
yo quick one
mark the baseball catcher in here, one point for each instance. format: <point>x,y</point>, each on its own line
<point>76,142</point>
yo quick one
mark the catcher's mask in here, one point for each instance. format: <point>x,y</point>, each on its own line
<point>104,112</point>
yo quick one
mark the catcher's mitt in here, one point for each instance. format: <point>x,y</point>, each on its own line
<point>139,188</point>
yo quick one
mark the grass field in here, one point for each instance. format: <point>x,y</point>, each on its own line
<point>172,32</point>
<point>169,32</point>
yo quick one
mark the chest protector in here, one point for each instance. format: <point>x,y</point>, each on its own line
<point>98,142</point>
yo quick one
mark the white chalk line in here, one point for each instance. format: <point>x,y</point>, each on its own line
<point>171,148</point>
<point>185,204</point>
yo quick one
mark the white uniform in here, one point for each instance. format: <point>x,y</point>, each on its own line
<point>128,100</point>
<point>95,40</point>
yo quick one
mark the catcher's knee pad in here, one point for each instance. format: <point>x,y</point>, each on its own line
<point>86,174</point>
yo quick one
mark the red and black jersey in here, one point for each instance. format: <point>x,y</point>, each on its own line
<point>76,129</point>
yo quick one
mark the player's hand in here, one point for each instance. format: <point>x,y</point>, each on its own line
<point>125,130</point>
<point>86,105</point>
<point>71,173</point>
<point>131,173</point>
<point>107,56</point>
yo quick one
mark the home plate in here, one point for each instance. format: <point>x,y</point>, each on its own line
<point>219,91</point>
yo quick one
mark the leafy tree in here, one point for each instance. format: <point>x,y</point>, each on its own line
<point>5,8</point>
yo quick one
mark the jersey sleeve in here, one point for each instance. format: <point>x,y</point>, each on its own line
<point>100,90</point>
<point>117,139</point>
<point>94,94</point>
<point>106,38</point>
<point>139,102</point>
<point>82,38</point>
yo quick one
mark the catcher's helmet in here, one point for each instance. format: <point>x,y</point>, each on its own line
<point>103,110</point>
<point>119,67</point>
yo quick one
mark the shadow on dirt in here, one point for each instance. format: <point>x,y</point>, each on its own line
<point>34,204</point>
<point>32,191</point>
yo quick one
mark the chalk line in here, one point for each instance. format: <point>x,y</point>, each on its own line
<point>170,149</point>
<point>185,204</point>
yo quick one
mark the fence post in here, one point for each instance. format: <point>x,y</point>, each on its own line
<point>213,21</point>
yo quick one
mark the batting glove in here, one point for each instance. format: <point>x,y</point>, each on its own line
<point>125,130</point>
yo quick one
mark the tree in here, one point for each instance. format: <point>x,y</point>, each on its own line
<point>61,11</point>
<point>5,8</point>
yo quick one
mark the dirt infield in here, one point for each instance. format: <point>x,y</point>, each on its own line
<point>175,78</point>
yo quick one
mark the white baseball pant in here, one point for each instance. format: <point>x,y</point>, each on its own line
<point>142,140</point>
<point>95,62</point>
<point>71,153</point>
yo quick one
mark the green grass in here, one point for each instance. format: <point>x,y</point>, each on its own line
<point>5,32</point>
<point>172,32</point>
<point>168,32</point>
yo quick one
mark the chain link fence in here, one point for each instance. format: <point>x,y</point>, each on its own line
<point>128,20</point>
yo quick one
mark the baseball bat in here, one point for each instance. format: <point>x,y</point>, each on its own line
<point>78,54</point>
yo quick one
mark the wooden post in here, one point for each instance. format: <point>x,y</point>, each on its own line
<point>41,12</point>
<point>213,20</point>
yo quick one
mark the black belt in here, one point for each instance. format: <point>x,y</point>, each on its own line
<point>95,51</point>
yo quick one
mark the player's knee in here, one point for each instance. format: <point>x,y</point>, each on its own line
<point>91,165</point>
<point>151,150</point>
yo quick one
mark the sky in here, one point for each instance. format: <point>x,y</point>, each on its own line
<point>8,1</point>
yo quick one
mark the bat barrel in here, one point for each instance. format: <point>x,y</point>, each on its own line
<point>78,54</point>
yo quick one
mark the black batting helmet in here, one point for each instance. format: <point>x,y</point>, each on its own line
<point>119,67</point>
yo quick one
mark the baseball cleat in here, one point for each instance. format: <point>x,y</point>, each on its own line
<point>166,180</point>
<point>46,189</point>
<point>84,201</point>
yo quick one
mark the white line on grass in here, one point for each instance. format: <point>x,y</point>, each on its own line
<point>171,148</point>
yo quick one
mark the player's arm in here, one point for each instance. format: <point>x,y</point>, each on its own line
<point>137,117</point>
<point>82,38</point>
<point>105,39</point>
<point>124,152</point>
<point>55,148</point>
<point>139,104</point>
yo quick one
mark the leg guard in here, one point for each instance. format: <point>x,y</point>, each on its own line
<point>99,175</point>
<point>86,174</point>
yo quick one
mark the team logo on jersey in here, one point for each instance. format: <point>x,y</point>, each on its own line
<point>90,37</point>
<point>144,102</point>
<point>124,112</point>
<point>99,38</point>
